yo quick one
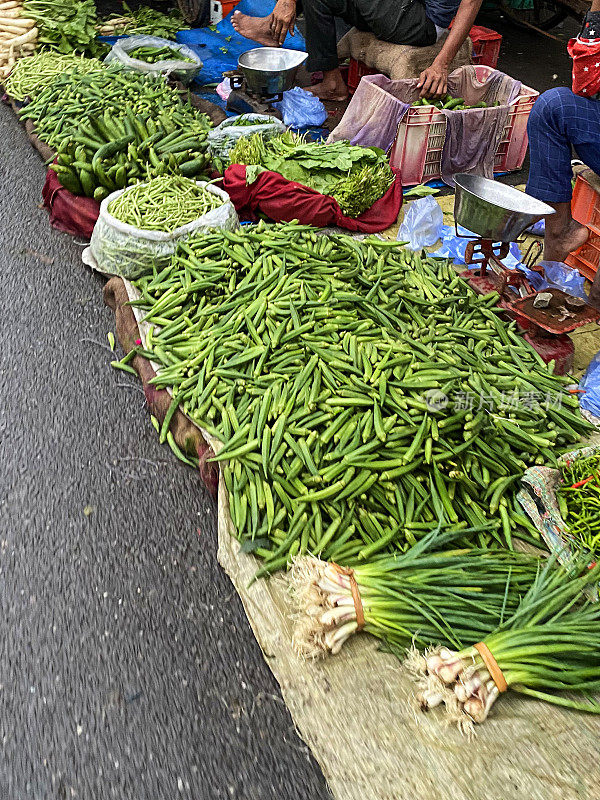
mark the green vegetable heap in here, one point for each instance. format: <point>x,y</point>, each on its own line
<point>361,393</point>
<point>145,21</point>
<point>65,25</point>
<point>355,176</point>
<point>452,103</point>
<point>163,204</point>
<point>58,110</point>
<point>152,55</point>
<point>30,75</point>
<point>579,500</point>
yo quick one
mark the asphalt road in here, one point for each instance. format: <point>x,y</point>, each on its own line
<point>127,667</point>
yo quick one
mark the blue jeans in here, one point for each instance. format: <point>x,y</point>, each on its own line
<point>560,119</point>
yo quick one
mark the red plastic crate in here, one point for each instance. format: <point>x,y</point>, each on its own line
<point>417,149</point>
<point>486,45</point>
<point>219,9</point>
<point>356,70</point>
<point>585,208</point>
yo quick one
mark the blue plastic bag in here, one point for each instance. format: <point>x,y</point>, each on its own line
<point>301,109</point>
<point>566,278</point>
<point>422,224</point>
<point>591,383</point>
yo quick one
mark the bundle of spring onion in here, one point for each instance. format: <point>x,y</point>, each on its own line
<point>164,204</point>
<point>29,76</point>
<point>144,21</point>
<point>65,25</point>
<point>18,35</point>
<point>355,176</point>
<point>550,644</point>
<point>578,498</point>
<point>313,360</point>
<point>421,596</point>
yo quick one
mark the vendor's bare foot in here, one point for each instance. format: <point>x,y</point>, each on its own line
<point>256,28</point>
<point>557,246</point>
<point>332,87</point>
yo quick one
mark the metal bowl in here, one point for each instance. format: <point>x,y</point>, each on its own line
<point>495,211</point>
<point>270,70</point>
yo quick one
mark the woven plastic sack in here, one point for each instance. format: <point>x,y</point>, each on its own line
<point>538,498</point>
<point>184,71</point>
<point>117,248</point>
<point>223,138</point>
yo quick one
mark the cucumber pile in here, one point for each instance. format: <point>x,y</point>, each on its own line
<point>450,103</point>
<point>114,153</point>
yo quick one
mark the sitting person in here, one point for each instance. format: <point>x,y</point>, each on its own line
<point>561,120</point>
<point>413,22</point>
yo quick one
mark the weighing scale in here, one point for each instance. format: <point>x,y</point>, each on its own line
<point>262,76</point>
<point>498,215</point>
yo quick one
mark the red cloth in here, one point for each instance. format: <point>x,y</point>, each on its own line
<point>586,66</point>
<point>68,212</point>
<point>283,201</point>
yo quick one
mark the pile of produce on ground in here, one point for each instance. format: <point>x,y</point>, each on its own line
<point>111,153</point>
<point>362,393</point>
<point>18,34</point>
<point>153,55</point>
<point>550,644</point>
<point>144,21</point>
<point>421,597</point>
<point>68,26</point>
<point>578,499</point>
<point>31,75</point>
<point>163,204</point>
<point>452,103</point>
<point>355,176</point>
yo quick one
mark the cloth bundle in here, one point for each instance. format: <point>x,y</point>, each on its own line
<point>585,52</point>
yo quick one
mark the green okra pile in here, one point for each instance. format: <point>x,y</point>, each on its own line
<point>331,370</point>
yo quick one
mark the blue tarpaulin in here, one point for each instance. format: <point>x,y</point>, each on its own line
<point>220,49</point>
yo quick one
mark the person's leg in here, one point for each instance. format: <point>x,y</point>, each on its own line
<point>559,120</point>
<point>391,21</point>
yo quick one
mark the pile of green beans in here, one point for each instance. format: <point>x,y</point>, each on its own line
<point>154,54</point>
<point>579,501</point>
<point>311,358</point>
<point>30,75</point>
<point>60,109</point>
<point>450,103</point>
<point>163,204</point>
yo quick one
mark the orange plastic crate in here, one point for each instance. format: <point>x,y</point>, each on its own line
<point>585,208</point>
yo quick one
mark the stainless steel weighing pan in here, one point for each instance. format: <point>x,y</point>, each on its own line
<point>495,211</point>
<point>270,70</point>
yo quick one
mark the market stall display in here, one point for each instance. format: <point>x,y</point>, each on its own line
<point>354,176</point>
<point>18,34</point>
<point>356,407</point>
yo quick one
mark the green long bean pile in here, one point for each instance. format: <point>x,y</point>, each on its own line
<point>579,500</point>
<point>30,75</point>
<point>313,358</point>
<point>163,204</point>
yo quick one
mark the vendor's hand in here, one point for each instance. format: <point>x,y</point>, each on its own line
<point>283,19</point>
<point>433,81</point>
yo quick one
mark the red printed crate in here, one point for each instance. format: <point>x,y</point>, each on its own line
<point>486,45</point>
<point>417,149</point>
<point>219,9</point>
<point>585,208</point>
<point>356,70</point>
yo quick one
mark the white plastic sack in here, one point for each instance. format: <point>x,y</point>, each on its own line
<point>223,138</point>
<point>422,224</point>
<point>184,71</point>
<point>117,248</point>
